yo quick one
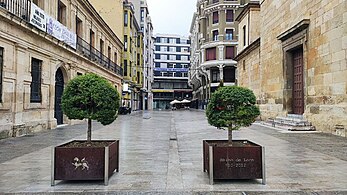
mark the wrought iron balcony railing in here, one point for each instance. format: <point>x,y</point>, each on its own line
<point>21,9</point>
<point>93,54</point>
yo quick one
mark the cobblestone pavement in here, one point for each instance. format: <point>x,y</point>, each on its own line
<point>162,154</point>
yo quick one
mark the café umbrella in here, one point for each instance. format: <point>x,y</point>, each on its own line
<point>175,102</point>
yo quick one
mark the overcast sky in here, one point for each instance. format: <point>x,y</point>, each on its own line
<point>171,16</point>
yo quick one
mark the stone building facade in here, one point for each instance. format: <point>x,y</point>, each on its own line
<point>214,39</point>
<point>43,45</point>
<point>299,60</point>
<point>146,27</point>
<point>132,58</point>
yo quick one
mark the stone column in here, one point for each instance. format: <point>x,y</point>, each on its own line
<point>21,64</point>
<point>202,56</point>
<point>221,73</point>
<point>221,52</point>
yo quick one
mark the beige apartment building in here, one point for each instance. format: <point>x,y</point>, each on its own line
<point>293,54</point>
<point>213,48</point>
<point>43,45</point>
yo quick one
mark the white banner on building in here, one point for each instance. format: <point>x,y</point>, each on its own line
<point>59,31</point>
<point>38,17</point>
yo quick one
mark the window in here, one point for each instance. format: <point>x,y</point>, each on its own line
<point>91,38</point>
<point>125,68</point>
<point>215,1</point>
<point>244,35</point>
<point>157,56</point>
<point>163,48</point>
<point>178,40</point>
<point>157,73</point>
<point>1,70</point>
<point>125,18</point>
<point>142,14</point>
<point>185,75</point>
<point>138,59</point>
<point>115,60</point>
<point>163,57</point>
<point>178,49</point>
<point>169,65</point>
<point>215,17</point>
<point>163,40</point>
<point>131,21</point>
<point>229,34</point>
<point>61,13</point>
<point>230,16</point>
<point>229,74</point>
<point>215,75</point>
<point>131,44</point>
<point>109,52</point>
<point>79,27</point>
<point>101,47</point>
<point>172,41</point>
<point>157,65</point>
<point>211,54</point>
<point>178,74</point>
<point>35,86</point>
<point>184,58</point>
<point>172,49</point>
<point>172,57</point>
<point>125,43</point>
<point>229,52</point>
<point>178,65</point>
<point>215,35</point>
<point>138,77</point>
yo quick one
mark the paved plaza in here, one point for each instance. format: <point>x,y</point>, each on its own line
<point>161,153</point>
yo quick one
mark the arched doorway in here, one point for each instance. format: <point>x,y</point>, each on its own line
<point>59,88</point>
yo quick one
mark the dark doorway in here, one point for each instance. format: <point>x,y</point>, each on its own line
<point>298,82</point>
<point>59,88</point>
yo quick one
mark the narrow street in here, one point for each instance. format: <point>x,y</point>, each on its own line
<point>163,154</point>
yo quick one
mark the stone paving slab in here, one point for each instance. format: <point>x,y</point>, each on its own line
<point>162,154</point>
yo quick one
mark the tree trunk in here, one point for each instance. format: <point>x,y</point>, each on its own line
<point>89,133</point>
<point>230,135</point>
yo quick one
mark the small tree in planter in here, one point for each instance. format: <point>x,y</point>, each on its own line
<point>233,107</point>
<point>90,97</point>
<point>93,98</point>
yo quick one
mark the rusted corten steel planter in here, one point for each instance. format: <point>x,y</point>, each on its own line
<point>85,163</point>
<point>233,162</point>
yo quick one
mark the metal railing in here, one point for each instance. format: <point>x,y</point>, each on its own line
<point>93,54</point>
<point>20,8</point>
<point>225,38</point>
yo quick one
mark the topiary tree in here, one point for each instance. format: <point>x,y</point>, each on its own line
<point>90,97</point>
<point>232,107</point>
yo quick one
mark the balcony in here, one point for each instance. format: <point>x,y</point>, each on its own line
<point>18,8</point>
<point>219,39</point>
<point>93,54</point>
<point>21,9</point>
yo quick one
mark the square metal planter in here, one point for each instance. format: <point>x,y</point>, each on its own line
<point>85,163</point>
<point>233,162</point>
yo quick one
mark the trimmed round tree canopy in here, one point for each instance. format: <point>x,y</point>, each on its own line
<point>90,96</point>
<point>232,107</point>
